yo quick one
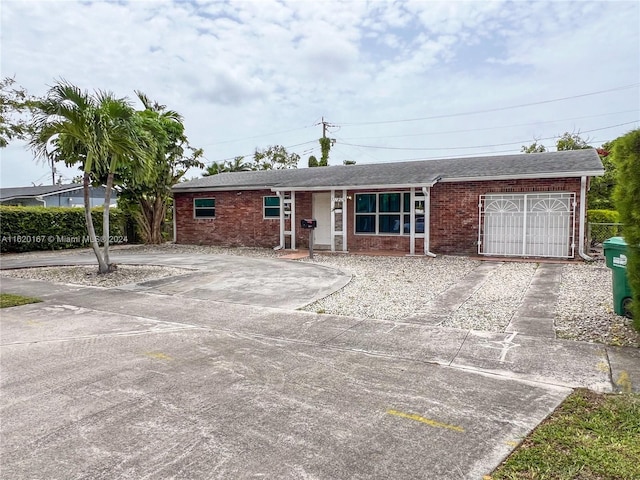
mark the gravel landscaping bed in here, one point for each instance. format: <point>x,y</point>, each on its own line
<point>389,288</point>
<point>393,288</point>
<point>88,274</point>
<point>585,307</point>
<point>491,307</point>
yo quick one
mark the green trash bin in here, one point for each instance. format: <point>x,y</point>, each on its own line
<point>615,252</point>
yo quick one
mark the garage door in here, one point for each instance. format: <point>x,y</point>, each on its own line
<point>532,224</point>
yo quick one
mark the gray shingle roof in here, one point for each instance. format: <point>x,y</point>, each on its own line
<point>31,192</point>
<point>571,163</point>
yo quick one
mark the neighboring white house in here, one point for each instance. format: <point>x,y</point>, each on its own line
<point>70,195</point>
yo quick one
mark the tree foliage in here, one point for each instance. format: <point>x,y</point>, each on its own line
<point>149,200</point>
<point>325,147</point>
<point>236,165</point>
<point>571,141</point>
<point>274,157</point>
<point>626,156</point>
<point>14,102</point>
<point>601,188</point>
<point>535,147</point>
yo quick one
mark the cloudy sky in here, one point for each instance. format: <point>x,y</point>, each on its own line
<point>394,80</point>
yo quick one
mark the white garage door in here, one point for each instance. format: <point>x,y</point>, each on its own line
<point>531,224</point>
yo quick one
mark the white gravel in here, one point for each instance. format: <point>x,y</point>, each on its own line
<point>494,303</point>
<point>88,275</point>
<point>394,288</point>
<point>389,288</point>
<point>585,307</point>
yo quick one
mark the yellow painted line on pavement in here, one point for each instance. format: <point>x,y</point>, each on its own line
<point>418,418</point>
<point>158,355</point>
<point>624,382</point>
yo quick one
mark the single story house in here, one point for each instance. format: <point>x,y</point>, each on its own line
<point>70,195</point>
<point>524,205</point>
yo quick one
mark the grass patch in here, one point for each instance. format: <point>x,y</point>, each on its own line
<point>590,436</point>
<point>10,300</point>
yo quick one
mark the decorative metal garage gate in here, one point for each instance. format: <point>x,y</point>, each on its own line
<point>530,224</point>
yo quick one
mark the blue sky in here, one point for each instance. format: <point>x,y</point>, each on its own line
<point>397,80</point>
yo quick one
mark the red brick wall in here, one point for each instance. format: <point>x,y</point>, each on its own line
<point>454,217</point>
<point>455,214</point>
<point>238,220</point>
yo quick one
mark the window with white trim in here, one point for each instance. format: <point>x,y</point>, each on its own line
<point>204,208</point>
<point>271,207</point>
<point>386,213</point>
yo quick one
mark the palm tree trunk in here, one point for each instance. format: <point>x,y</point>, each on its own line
<point>103,267</point>
<point>105,218</point>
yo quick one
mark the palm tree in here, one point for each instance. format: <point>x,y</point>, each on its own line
<point>215,168</point>
<point>238,165</point>
<point>96,132</point>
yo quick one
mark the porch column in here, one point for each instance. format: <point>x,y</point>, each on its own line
<point>333,219</point>
<point>282,226</point>
<point>344,220</point>
<point>412,222</point>
<point>292,219</point>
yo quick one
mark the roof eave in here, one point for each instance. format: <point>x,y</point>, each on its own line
<point>79,187</point>
<point>485,178</point>
<point>353,187</point>
<point>221,188</point>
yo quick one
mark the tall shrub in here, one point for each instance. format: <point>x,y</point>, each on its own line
<point>626,155</point>
<point>25,229</point>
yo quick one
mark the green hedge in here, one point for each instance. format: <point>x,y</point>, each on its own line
<point>24,229</point>
<point>599,233</point>
<point>603,216</point>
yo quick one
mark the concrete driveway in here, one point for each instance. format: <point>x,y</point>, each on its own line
<point>138,383</point>
<point>226,278</point>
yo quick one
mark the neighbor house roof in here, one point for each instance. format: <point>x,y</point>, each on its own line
<point>570,163</point>
<point>32,192</point>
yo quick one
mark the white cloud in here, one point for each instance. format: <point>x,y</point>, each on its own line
<point>237,70</point>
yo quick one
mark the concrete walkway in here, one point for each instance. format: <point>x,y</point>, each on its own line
<point>536,313</point>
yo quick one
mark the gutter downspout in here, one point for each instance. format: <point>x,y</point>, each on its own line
<point>281,200</point>
<point>40,199</point>
<point>426,191</point>
<point>583,211</point>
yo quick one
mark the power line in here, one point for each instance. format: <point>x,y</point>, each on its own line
<point>480,146</point>
<point>499,109</point>
<point>258,136</point>
<point>249,154</point>
<point>490,128</point>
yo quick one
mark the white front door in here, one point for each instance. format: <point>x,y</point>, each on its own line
<point>322,214</point>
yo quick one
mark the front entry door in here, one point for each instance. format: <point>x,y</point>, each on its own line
<point>322,214</point>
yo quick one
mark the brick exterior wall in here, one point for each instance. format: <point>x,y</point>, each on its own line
<point>455,213</point>
<point>454,217</point>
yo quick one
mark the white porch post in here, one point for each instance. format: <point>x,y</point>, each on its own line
<point>412,221</point>
<point>293,220</point>
<point>344,220</point>
<point>332,202</point>
<point>427,220</point>
<point>281,200</point>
